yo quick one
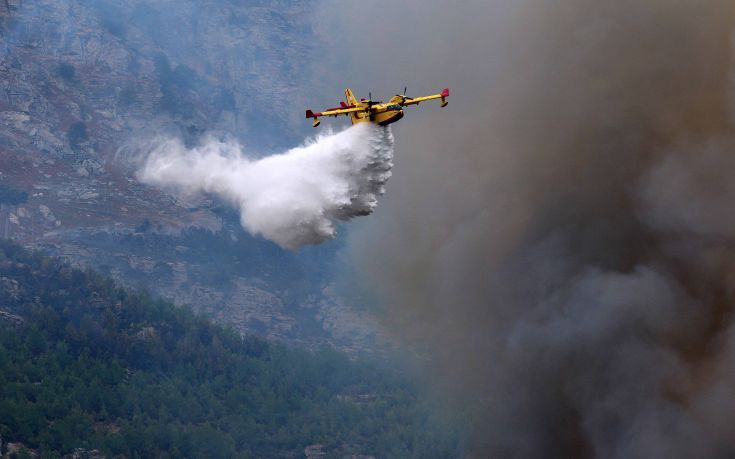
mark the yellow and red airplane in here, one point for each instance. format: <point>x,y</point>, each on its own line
<point>375,111</point>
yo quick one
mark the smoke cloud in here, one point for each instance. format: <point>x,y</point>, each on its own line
<point>558,243</point>
<point>292,199</point>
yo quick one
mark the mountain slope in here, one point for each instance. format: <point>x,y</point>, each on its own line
<point>86,364</point>
<point>82,81</point>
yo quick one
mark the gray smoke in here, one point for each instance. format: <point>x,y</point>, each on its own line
<point>292,199</point>
<point>559,241</point>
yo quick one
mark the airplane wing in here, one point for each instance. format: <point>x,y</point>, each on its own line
<point>334,112</point>
<point>444,94</point>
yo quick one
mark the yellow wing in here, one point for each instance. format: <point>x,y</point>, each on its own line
<point>337,112</point>
<point>412,101</point>
<point>333,112</point>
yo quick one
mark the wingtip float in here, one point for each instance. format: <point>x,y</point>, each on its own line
<point>378,112</point>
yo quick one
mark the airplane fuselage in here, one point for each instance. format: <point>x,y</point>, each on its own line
<point>381,114</point>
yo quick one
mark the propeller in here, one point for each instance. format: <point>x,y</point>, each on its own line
<point>404,96</point>
<point>370,106</point>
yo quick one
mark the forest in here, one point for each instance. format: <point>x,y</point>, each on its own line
<point>87,364</point>
<point>9,195</point>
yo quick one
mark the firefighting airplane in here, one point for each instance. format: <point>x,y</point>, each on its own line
<point>375,111</point>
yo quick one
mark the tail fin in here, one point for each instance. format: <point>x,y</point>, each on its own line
<point>350,97</point>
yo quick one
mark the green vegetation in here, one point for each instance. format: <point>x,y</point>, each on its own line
<point>66,71</point>
<point>224,101</point>
<point>77,133</point>
<point>177,87</point>
<point>128,96</point>
<point>12,196</point>
<point>98,367</point>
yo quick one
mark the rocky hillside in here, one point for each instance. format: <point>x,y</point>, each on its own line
<point>82,81</point>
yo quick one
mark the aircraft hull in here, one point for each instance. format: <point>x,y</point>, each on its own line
<point>382,119</point>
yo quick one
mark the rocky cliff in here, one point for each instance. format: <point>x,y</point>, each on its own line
<point>82,81</point>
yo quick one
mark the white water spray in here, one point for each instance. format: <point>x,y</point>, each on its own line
<point>292,199</point>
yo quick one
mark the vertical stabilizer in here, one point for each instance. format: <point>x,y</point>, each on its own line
<point>350,97</point>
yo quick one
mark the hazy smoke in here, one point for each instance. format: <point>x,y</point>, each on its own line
<point>292,199</point>
<point>560,240</point>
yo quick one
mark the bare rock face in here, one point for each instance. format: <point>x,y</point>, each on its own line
<point>82,453</point>
<point>315,451</point>
<point>10,287</point>
<point>17,449</point>
<point>250,307</point>
<point>82,82</point>
<point>13,319</point>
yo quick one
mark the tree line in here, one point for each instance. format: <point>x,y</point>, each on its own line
<point>96,366</point>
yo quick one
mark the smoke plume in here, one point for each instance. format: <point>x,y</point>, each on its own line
<point>559,242</point>
<point>292,199</point>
